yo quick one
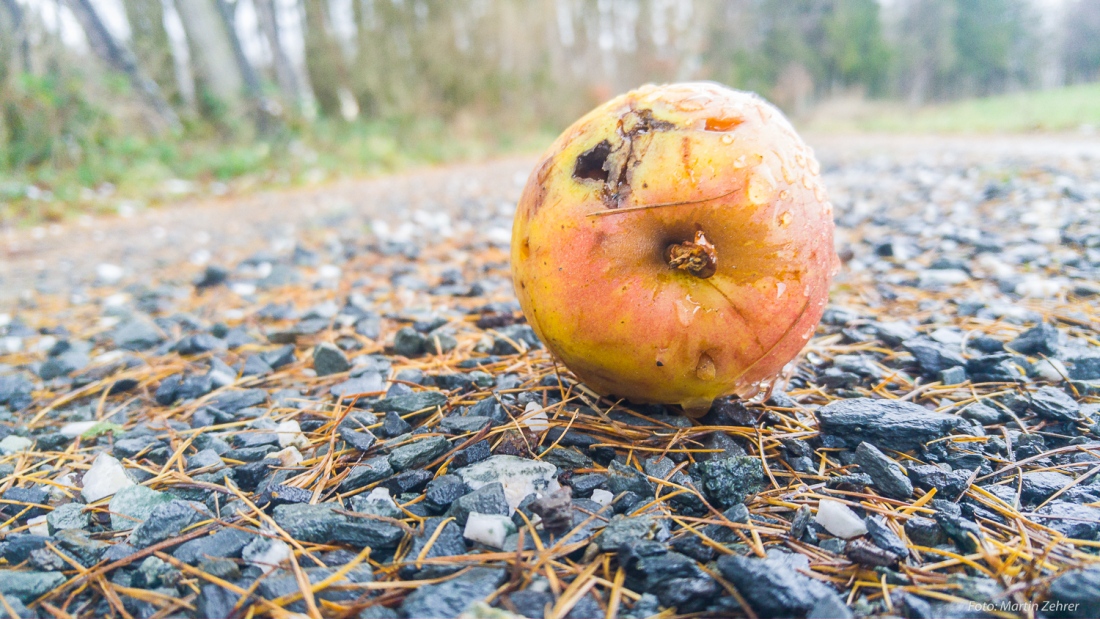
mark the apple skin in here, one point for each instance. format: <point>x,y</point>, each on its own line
<point>653,168</point>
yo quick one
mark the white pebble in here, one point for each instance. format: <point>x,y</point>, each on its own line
<point>15,444</point>
<point>603,497</point>
<point>488,529</point>
<point>108,273</point>
<point>38,526</point>
<point>839,519</point>
<point>288,457</point>
<point>1050,370</point>
<point>266,553</point>
<point>535,418</point>
<point>105,478</point>
<point>74,429</point>
<point>290,435</point>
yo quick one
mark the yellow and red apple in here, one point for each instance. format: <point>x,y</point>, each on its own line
<point>675,245</point>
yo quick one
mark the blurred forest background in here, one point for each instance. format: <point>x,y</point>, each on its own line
<point>112,104</point>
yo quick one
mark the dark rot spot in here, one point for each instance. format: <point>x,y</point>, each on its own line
<point>685,152</point>
<point>591,165</point>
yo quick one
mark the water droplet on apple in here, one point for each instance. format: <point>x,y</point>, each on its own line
<point>785,218</point>
<point>780,288</point>
<point>740,162</point>
<point>761,185</point>
<point>727,139</point>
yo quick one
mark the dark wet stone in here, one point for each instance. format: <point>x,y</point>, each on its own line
<point>36,496</point>
<point>963,532</point>
<point>418,453</point>
<point>198,344</point>
<point>523,335</point>
<point>1039,340</point>
<point>448,543</point>
<point>488,499</point>
<point>621,530</point>
<point>363,532</point>
<point>28,586</point>
<point>928,476</point>
<point>884,537</point>
<point>772,587</point>
<point>67,516</point>
<point>166,521</point>
<point>723,533</point>
<point>255,366</point>
<point>216,603</point>
<point>366,473</point>
<point>407,481</point>
<point>531,604</point>
<point>444,490</point>
<point>982,413</point>
<point>830,607</point>
<point>885,473</point>
<point>932,356</point>
<point>15,391</point>
<point>953,376</point>
<point>410,403</point>
<point>729,481</point>
<point>281,494</point>
<point>1083,368</point>
<point>136,334</point>
<point>233,401</point>
<point>1053,403</point>
<point>393,425</point>
<point>995,368</point>
<point>1070,519</point>
<point>277,358</point>
<point>986,344</point>
<point>63,365</point>
<point>226,543</point>
<point>308,523</point>
<point>886,424</point>
<point>623,478</point>
<point>328,359</point>
<point>864,552</point>
<point>1075,594</point>
<point>284,582</point>
<point>800,524</point>
<point>675,579</point>
<point>1038,486</point>
<point>471,455</point>
<point>583,485</point>
<point>212,275</point>
<point>362,440</point>
<point>16,548</point>
<point>370,382</point>
<point>455,424</point>
<point>450,598</point>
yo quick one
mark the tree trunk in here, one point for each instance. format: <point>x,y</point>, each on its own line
<point>260,108</point>
<point>285,75</point>
<point>324,59</point>
<point>149,41</point>
<point>19,34</point>
<point>120,58</point>
<point>211,57</point>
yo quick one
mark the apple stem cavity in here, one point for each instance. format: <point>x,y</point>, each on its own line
<point>697,257</point>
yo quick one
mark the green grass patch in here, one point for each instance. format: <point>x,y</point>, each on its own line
<point>1063,109</point>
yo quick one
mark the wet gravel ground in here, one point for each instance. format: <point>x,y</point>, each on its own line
<point>327,403</point>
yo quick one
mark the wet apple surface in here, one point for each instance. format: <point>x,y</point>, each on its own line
<point>675,245</point>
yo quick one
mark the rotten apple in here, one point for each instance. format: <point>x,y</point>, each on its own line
<point>675,245</point>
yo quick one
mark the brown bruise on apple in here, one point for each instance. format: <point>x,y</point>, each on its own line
<point>716,173</point>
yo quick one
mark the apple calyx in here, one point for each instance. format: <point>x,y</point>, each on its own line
<point>697,257</point>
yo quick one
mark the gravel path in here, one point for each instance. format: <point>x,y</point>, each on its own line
<point>326,402</point>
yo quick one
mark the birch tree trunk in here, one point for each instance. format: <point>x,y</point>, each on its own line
<point>285,75</point>
<point>149,42</point>
<point>324,60</point>
<point>121,59</point>
<point>212,54</point>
